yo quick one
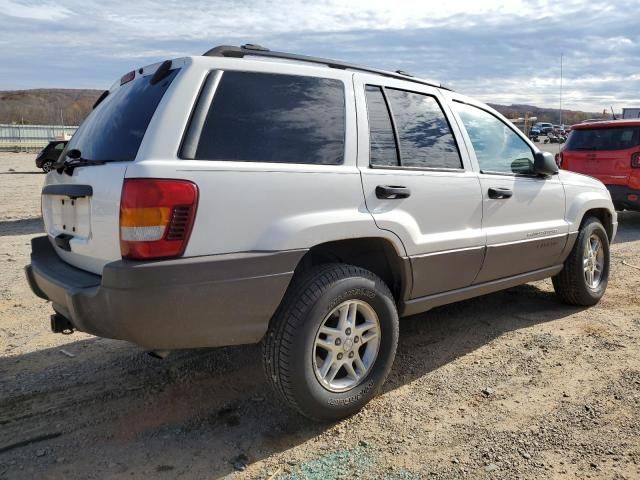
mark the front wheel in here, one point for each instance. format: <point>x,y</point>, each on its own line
<point>585,275</point>
<point>332,342</point>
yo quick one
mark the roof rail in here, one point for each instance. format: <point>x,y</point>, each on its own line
<point>260,51</point>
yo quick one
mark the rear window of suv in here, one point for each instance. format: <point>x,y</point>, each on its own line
<point>266,117</point>
<point>113,131</point>
<point>616,138</point>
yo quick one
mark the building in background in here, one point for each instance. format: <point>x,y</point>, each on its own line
<point>631,113</point>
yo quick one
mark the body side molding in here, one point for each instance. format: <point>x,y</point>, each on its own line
<point>419,305</point>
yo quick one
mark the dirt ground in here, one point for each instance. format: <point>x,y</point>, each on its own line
<point>511,385</point>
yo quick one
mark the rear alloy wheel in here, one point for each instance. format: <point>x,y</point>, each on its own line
<point>332,342</point>
<point>47,166</point>
<point>585,275</point>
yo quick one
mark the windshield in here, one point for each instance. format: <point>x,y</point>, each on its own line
<point>114,130</point>
<point>617,138</point>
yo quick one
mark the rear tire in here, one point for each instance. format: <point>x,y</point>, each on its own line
<point>332,342</point>
<point>585,275</point>
<point>47,166</point>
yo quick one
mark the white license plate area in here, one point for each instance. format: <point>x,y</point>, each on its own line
<point>68,215</point>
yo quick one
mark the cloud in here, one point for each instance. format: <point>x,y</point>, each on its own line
<point>501,52</point>
<point>48,11</point>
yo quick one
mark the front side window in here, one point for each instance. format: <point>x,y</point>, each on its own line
<point>264,117</point>
<point>424,134</point>
<point>498,148</point>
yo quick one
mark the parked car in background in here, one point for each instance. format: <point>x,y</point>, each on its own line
<point>543,127</point>
<point>610,152</point>
<point>50,154</point>
<point>534,133</point>
<point>306,204</point>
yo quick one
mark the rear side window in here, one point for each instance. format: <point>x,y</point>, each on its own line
<point>617,138</point>
<point>114,130</point>
<point>424,134</point>
<point>264,117</point>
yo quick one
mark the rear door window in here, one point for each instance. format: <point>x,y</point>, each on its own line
<point>265,117</point>
<point>113,131</point>
<point>616,138</point>
<point>424,134</point>
<point>382,142</point>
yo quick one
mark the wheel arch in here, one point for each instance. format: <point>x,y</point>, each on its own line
<point>376,254</point>
<point>591,203</point>
<point>605,217</point>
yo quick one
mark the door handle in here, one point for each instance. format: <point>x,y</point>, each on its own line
<point>500,193</point>
<point>392,192</point>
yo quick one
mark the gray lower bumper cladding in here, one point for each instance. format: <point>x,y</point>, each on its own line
<point>191,302</point>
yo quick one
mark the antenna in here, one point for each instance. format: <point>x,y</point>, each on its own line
<point>612,113</point>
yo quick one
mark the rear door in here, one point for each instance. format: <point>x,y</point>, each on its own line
<point>523,214</point>
<point>81,207</point>
<point>418,182</point>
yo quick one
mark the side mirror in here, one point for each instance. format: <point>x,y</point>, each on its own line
<point>544,164</point>
<point>73,153</point>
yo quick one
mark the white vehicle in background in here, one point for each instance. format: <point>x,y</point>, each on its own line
<point>249,196</point>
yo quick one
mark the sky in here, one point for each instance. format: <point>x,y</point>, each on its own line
<point>497,51</point>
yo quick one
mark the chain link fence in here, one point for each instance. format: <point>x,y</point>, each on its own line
<point>30,138</point>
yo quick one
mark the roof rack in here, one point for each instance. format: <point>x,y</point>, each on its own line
<point>260,51</point>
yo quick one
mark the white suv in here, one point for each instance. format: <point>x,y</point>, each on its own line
<point>247,195</point>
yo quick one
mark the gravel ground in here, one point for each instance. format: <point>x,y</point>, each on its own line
<point>511,385</point>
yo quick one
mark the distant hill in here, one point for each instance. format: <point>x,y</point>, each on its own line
<point>51,105</point>
<point>549,115</point>
<point>46,105</point>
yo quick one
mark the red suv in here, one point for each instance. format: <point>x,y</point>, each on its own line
<point>610,152</point>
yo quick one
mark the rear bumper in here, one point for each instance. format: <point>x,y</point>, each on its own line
<point>205,301</point>
<point>620,195</point>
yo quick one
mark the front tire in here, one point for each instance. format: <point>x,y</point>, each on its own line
<point>332,342</point>
<point>585,275</point>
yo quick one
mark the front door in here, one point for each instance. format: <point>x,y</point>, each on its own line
<point>523,213</point>
<point>418,182</point>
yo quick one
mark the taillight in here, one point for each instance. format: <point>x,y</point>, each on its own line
<point>156,217</point>
<point>635,160</point>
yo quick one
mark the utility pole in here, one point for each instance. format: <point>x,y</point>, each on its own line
<point>561,124</point>
<point>62,120</point>
<point>20,143</point>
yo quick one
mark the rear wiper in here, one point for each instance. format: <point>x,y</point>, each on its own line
<point>75,160</point>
